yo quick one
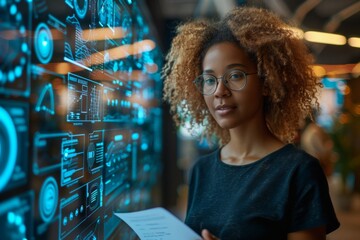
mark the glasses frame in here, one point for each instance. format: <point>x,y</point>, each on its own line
<point>224,81</point>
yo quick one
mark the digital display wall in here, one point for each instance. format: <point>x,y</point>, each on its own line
<point>80,117</point>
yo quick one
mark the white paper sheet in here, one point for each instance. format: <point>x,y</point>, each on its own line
<point>158,224</point>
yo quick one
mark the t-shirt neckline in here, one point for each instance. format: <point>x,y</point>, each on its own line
<point>268,156</point>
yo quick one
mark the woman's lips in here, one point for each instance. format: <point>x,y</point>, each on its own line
<point>224,109</point>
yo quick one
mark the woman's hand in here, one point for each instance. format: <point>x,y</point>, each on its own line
<point>207,235</point>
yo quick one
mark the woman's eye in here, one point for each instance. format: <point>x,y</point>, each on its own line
<point>209,81</point>
<point>236,76</point>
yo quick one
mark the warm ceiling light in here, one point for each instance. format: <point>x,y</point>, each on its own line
<point>122,51</point>
<point>99,34</point>
<point>354,42</point>
<point>145,45</point>
<point>327,38</point>
<point>356,70</point>
<point>319,71</point>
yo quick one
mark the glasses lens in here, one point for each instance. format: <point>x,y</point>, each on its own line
<point>206,84</point>
<point>236,79</point>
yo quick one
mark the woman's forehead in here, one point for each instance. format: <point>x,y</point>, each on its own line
<point>225,55</point>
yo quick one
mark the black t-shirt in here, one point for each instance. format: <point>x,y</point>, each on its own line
<point>286,191</point>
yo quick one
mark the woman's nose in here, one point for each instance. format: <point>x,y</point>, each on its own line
<point>222,90</point>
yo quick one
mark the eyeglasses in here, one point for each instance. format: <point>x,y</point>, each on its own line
<point>233,79</point>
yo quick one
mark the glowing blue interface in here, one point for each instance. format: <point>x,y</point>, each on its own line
<point>80,117</point>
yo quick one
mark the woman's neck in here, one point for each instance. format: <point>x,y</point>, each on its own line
<point>249,144</point>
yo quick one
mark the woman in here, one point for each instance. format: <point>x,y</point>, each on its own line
<point>248,80</point>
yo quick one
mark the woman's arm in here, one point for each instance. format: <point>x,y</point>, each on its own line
<point>207,235</point>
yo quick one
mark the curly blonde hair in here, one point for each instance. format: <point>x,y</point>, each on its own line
<point>283,64</point>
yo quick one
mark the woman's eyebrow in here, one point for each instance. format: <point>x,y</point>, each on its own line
<point>235,65</point>
<point>208,71</point>
<point>230,66</point>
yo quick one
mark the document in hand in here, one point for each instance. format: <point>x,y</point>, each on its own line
<point>158,224</point>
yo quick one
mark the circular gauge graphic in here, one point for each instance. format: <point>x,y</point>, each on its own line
<point>48,199</point>
<point>8,147</point>
<point>91,155</point>
<point>43,42</point>
<point>10,52</point>
<point>14,53</point>
<point>81,7</point>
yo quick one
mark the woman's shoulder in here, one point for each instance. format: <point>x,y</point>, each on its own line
<point>207,158</point>
<point>294,153</point>
<point>293,157</point>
